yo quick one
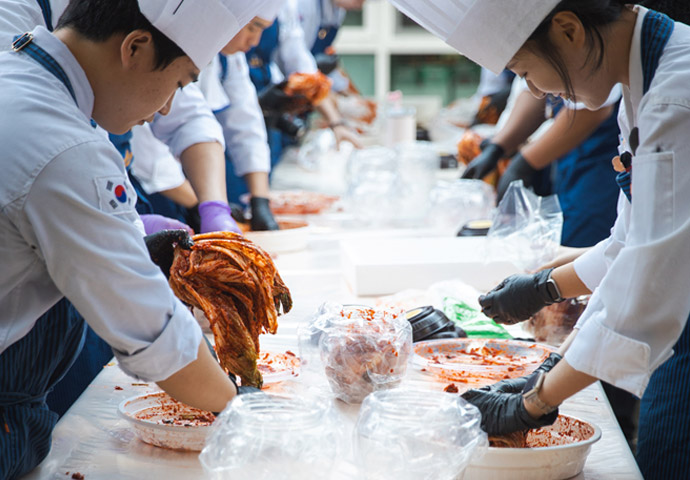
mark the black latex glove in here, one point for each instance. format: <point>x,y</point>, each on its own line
<point>517,385</point>
<point>161,246</point>
<point>519,169</point>
<point>504,413</point>
<point>485,162</point>
<point>518,297</point>
<point>326,63</point>
<point>492,109</point>
<point>231,376</point>
<point>262,217</point>
<point>273,100</point>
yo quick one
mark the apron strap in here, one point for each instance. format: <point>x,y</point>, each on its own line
<point>656,31</point>
<point>25,44</point>
<point>47,13</point>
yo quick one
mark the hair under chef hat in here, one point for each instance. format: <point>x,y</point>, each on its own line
<point>201,28</point>
<point>488,32</point>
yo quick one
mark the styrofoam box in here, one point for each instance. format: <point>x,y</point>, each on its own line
<point>381,266</point>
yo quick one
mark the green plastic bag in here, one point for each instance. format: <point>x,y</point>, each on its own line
<point>472,321</point>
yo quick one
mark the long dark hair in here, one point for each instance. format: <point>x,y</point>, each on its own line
<point>595,16</point>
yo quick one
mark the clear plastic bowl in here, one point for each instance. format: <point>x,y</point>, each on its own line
<point>417,435</point>
<point>262,437</point>
<point>361,349</point>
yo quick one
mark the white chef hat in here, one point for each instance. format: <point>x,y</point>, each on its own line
<point>488,32</point>
<point>201,28</point>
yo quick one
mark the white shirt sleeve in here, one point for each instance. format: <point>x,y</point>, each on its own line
<point>292,55</point>
<point>189,122</point>
<point>641,306</point>
<point>97,258</point>
<point>211,87</point>
<point>154,164</point>
<point>593,265</point>
<point>243,121</point>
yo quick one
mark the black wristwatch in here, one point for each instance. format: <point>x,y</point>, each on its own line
<point>552,289</point>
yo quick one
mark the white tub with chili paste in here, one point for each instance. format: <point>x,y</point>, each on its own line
<point>556,452</point>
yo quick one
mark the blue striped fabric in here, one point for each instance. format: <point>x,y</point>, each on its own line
<point>47,13</point>
<point>656,30</point>
<point>624,180</point>
<point>663,450</point>
<point>28,370</point>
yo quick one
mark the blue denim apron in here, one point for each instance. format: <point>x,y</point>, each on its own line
<point>325,36</point>
<point>586,186</point>
<point>663,450</point>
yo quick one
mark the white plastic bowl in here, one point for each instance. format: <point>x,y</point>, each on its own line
<point>556,462</point>
<point>156,406</point>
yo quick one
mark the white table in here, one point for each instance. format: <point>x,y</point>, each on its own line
<point>93,440</point>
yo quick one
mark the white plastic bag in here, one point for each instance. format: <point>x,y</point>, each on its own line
<point>526,228</point>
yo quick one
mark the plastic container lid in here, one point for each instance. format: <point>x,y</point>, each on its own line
<point>475,228</point>
<point>429,322</point>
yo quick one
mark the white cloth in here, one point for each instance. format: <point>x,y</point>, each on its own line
<point>241,116</point>
<point>291,54</point>
<point>154,165</point>
<point>68,229</point>
<point>641,303</point>
<point>189,122</point>
<point>201,28</point>
<point>488,32</point>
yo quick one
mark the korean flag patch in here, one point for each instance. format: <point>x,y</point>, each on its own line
<point>115,194</point>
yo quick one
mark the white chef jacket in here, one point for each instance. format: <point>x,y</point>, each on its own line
<point>157,147</point>
<point>68,224</point>
<point>189,122</point>
<point>154,165</point>
<point>641,275</point>
<point>291,55</point>
<point>236,105</point>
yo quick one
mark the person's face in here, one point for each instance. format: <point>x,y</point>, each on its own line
<point>136,91</point>
<point>248,37</point>
<point>349,4</point>
<point>590,86</point>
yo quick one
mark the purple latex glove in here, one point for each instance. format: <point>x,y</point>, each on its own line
<point>216,217</point>
<point>155,223</point>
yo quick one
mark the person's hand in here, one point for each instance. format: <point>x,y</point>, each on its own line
<point>326,62</point>
<point>343,133</point>
<point>518,169</point>
<point>217,217</point>
<point>161,246</point>
<point>273,100</point>
<point>485,162</point>
<point>262,217</point>
<point>518,297</point>
<point>491,107</point>
<point>155,223</point>
<point>517,385</point>
<point>504,413</point>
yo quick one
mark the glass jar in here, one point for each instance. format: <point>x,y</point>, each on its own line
<point>264,437</point>
<point>417,435</point>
